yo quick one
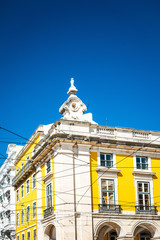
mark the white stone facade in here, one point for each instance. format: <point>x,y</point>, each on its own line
<point>7,194</point>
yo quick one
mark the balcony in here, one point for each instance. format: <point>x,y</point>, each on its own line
<point>109,208</point>
<point>144,209</point>
<point>23,172</point>
<point>48,212</point>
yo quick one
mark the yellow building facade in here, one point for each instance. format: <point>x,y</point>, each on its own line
<point>77,180</point>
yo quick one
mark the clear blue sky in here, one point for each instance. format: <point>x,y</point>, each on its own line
<point>110,48</point>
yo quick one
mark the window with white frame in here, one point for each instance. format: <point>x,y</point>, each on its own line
<point>34,181</point>
<point>28,235</point>
<point>34,234</point>
<point>22,236</point>
<point>49,195</point>
<point>34,210</point>
<point>18,237</point>
<point>22,216</point>
<point>106,160</point>
<point>17,219</point>
<point>28,213</point>
<point>142,163</point>
<point>17,195</point>
<point>22,168</point>
<point>108,192</point>
<point>22,191</point>
<point>143,196</point>
<point>48,166</point>
<point>27,186</point>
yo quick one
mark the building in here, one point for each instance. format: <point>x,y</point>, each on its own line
<point>79,180</point>
<point>7,195</point>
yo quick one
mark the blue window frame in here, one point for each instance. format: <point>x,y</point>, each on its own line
<point>142,163</point>
<point>106,160</point>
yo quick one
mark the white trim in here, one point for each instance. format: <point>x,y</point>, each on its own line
<point>34,174</point>
<point>27,227</point>
<point>23,216</point>
<point>46,192</point>
<point>29,213</point>
<point>33,232</point>
<point>18,236</point>
<point>18,195</point>
<point>49,159</point>
<point>115,179</point>
<point>23,234</point>
<point>26,186</point>
<point>30,234</point>
<point>135,163</point>
<point>106,151</point>
<point>32,210</point>
<point>150,181</point>
<point>21,191</point>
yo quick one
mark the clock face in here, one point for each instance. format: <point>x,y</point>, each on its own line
<point>74,106</point>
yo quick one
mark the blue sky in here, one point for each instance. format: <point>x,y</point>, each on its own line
<point>110,48</point>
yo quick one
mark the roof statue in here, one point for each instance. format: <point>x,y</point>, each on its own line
<point>72,89</point>
<point>74,108</point>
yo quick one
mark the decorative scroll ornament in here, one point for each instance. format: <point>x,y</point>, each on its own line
<point>74,108</point>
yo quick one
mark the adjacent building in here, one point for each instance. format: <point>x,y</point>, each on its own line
<point>76,180</point>
<point>7,194</point>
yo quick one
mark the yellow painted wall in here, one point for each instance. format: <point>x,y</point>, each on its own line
<point>43,189</point>
<point>155,163</point>
<point>53,184</point>
<point>28,199</point>
<point>126,188</point>
<point>23,203</point>
<point>26,154</point>
<point>94,181</point>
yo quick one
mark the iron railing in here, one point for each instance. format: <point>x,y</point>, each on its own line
<point>109,208</point>
<point>21,172</point>
<point>48,212</point>
<point>140,209</point>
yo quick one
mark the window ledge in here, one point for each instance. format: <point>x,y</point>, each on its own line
<point>48,176</point>
<point>143,172</point>
<point>106,169</point>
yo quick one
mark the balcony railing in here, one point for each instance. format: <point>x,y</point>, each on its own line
<point>109,208</point>
<point>21,172</point>
<point>144,209</point>
<point>48,212</point>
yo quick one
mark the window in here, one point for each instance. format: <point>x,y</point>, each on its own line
<point>49,195</point>
<point>142,163</point>
<point>27,183</point>
<point>106,160</point>
<point>22,168</point>
<point>22,236</point>
<point>34,210</point>
<point>18,237</point>
<point>22,216</point>
<point>34,234</point>
<point>33,152</point>
<point>144,196</point>
<point>48,166</point>
<point>28,236</point>
<point>28,213</point>
<point>17,195</point>
<point>34,181</point>
<point>17,219</point>
<point>22,191</point>
<point>108,193</point>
